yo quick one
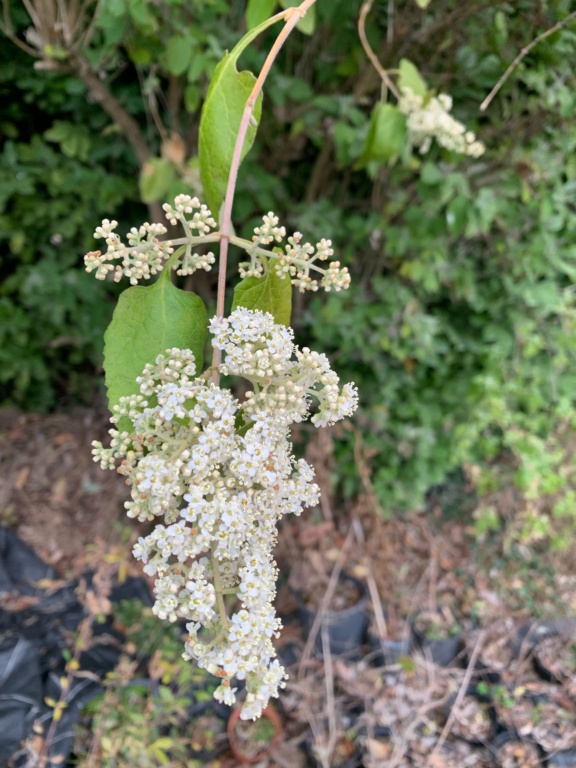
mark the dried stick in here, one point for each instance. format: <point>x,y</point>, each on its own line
<point>371,581</point>
<point>524,52</point>
<point>330,706</point>
<point>364,11</point>
<point>460,696</point>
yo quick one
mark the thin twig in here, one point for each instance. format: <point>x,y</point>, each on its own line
<point>433,577</point>
<point>371,581</point>
<point>390,27</point>
<point>85,39</point>
<point>330,705</point>
<point>401,745</point>
<point>364,11</point>
<point>524,52</point>
<point>461,694</point>
<point>7,29</point>
<point>326,599</point>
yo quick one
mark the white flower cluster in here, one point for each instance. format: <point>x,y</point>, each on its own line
<point>296,260</point>
<point>429,118</point>
<point>194,216</point>
<point>222,473</point>
<point>143,257</point>
<point>261,351</point>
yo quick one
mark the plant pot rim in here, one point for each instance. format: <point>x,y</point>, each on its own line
<point>336,614</point>
<point>511,735</point>
<point>270,714</point>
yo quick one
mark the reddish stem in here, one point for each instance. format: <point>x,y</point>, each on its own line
<point>293,16</point>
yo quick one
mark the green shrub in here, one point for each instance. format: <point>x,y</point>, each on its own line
<point>459,327</point>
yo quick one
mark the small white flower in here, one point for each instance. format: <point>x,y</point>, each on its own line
<point>430,118</point>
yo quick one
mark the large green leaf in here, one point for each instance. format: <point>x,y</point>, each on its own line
<point>258,11</point>
<point>268,293</point>
<point>178,54</point>
<point>386,136</point>
<point>307,24</point>
<point>221,115</point>
<point>147,321</point>
<point>410,77</point>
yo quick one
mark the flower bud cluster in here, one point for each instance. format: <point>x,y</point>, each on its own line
<point>296,260</point>
<point>143,257</point>
<point>429,118</point>
<point>194,216</point>
<point>221,474</point>
<point>191,261</point>
<point>191,213</point>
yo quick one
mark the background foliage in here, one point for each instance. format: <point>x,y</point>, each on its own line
<point>459,326</point>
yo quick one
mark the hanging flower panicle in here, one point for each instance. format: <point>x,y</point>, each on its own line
<point>221,474</point>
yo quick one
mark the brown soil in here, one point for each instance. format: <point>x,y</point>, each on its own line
<point>59,501</point>
<point>52,494</point>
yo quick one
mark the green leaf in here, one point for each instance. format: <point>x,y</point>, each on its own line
<point>386,135</point>
<point>139,53</point>
<point>457,213</point>
<point>268,293</point>
<point>258,11</point>
<point>192,97</point>
<point>74,140</point>
<point>306,25</point>
<point>423,3</point>
<point>142,16</point>
<point>178,53</point>
<point>220,121</point>
<point>157,175</point>
<point>411,78</point>
<point>147,321</point>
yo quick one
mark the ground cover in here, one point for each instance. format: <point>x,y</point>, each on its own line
<point>389,704</point>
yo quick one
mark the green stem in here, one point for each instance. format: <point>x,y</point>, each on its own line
<point>240,242</point>
<point>219,591</point>
<point>249,247</point>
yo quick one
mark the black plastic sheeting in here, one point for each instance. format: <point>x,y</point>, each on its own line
<point>32,642</point>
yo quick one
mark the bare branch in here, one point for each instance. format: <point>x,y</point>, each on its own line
<point>113,107</point>
<point>461,693</point>
<point>7,29</point>
<point>524,52</point>
<point>364,11</point>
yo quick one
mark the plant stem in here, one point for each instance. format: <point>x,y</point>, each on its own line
<point>241,242</point>
<point>384,75</point>
<point>219,591</point>
<point>292,16</point>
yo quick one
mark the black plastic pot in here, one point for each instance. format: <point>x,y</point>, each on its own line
<point>538,715</point>
<point>385,653</point>
<point>346,629</point>
<point>532,751</point>
<point>565,759</point>
<point>442,651</point>
<point>554,672</point>
<point>478,702</point>
<point>533,635</point>
<point>499,653</point>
